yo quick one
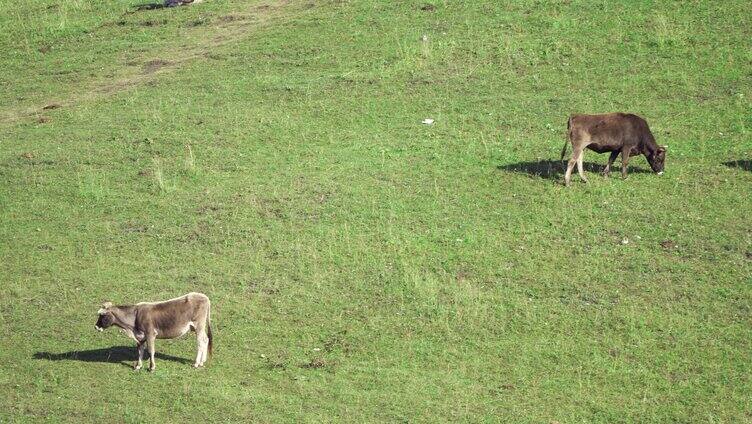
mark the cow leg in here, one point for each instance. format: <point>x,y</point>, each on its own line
<point>580,169</point>
<point>611,160</point>
<point>203,348</point>
<point>570,165</point>
<point>150,339</point>
<point>624,161</point>
<point>140,363</point>
<point>203,343</point>
<point>568,173</point>
<point>199,352</point>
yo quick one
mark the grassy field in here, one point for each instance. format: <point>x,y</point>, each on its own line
<point>364,267</point>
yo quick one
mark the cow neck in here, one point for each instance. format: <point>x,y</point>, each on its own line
<point>125,318</point>
<point>649,147</point>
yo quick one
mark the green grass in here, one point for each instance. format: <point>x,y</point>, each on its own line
<point>362,266</point>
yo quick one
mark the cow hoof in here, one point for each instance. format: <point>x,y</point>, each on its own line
<point>151,369</point>
<point>136,367</point>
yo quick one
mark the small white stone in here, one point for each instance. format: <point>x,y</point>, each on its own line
<point>427,121</point>
<point>625,241</point>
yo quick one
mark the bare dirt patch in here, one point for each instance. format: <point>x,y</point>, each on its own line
<point>214,56</point>
<point>151,23</point>
<point>315,363</point>
<point>669,244</point>
<point>153,66</point>
<point>225,30</point>
<point>197,22</point>
<point>131,227</point>
<point>203,210</point>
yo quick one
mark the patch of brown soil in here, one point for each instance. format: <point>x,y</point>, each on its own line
<point>226,30</point>
<point>669,244</point>
<point>153,66</point>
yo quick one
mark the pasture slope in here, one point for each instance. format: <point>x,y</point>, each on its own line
<point>364,267</point>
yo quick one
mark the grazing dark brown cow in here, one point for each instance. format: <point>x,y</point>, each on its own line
<point>612,132</point>
<point>147,321</point>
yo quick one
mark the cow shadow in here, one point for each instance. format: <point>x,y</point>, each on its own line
<point>162,5</point>
<point>554,169</point>
<point>124,355</point>
<point>149,6</point>
<point>742,164</point>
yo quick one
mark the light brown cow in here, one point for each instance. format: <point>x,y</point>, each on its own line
<point>147,321</point>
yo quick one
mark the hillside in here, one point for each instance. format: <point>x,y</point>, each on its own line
<point>363,266</point>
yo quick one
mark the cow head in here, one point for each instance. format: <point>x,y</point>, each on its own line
<point>657,159</point>
<point>106,318</point>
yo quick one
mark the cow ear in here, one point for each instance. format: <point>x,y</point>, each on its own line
<point>105,306</point>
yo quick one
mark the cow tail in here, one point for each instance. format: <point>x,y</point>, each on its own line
<point>566,142</point>
<point>208,331</point>
<point>564,150</point>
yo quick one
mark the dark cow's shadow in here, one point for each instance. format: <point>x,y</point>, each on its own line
<point>742,164</point>
<point>125,355</point>
<point>162,5</point>
<point>554,169</point>
<point>149,6</point>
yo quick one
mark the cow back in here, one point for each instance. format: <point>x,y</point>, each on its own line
<point>171,317</point>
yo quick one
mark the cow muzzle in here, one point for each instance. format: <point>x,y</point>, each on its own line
<point>660,173</point>
<point>99,328</point>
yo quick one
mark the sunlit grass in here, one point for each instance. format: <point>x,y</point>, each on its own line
<point>363,266</point>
